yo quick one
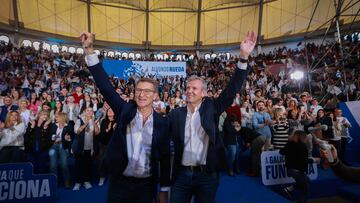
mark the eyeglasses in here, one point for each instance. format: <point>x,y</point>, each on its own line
<point>145,91</point>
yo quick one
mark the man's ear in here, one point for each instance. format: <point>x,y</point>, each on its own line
<point>204,93</point>
<point>154,96</point>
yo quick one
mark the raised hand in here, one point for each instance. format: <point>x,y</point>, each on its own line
<point>87,40</point>
<point>247,46</point>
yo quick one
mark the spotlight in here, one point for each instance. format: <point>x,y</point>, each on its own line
<point>297,75</point>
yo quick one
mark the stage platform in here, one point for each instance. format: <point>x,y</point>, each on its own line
<point>242,189</point>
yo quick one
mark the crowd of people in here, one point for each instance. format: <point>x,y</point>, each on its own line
<point>50,99</point>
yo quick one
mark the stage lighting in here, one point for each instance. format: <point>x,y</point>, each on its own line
<point>297,75</point>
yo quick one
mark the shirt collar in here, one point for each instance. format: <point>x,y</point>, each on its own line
<point>57,124</point>
<point>196,108</point>
<point>140,116</point>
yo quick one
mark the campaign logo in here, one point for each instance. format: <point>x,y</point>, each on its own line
<point>19,184</point>
<point>133,70</point>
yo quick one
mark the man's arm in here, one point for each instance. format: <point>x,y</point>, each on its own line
<point>165,164</point>
<point>227,96</point>
<point>100,76</point>
<point>345,172</point>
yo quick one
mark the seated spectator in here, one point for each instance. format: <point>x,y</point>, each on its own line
<point>7,107</point>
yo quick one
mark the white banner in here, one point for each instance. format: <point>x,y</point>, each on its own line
<point>162,68</point>
<point>125,69</point>
<point>273,170</point>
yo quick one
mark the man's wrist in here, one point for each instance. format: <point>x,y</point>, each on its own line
<point>243,56</point>
<point>89,50</point>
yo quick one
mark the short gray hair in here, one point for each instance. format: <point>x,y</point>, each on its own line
<point>203,82</point>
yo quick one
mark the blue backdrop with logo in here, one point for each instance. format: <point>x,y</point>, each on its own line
<point>124,69</point>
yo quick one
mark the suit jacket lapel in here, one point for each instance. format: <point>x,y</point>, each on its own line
<point>204,123</point>
<point>156,126</point>
<point>129,116</point>
<point>182,119</point>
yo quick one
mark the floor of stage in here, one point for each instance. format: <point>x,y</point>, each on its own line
<point>232,190</point>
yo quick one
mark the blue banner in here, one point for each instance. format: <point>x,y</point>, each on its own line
<point>125,69</point>
<point>19,184</point>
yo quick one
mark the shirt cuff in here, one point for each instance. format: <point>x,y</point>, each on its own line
<point>92,59</point>
<point>164,189</point>
<point>242,66</point>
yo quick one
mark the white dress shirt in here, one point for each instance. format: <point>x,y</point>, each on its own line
<point>196,140</point>
<point>138,141</point>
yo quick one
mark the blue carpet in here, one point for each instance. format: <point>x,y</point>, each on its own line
<point>351,193</point>
<point>326,185</point>
<point>237,189</point>
<point>232,190</point>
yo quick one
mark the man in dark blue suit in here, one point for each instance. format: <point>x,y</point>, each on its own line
<point>140,141</point>
<point>194,129</point>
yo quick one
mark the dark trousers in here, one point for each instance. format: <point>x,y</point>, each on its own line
<point>201,185</point>
<point>12,154</point>
<point>83,166</point>
<point>337,145</point>
<point>39,160</point>
<point>302,184</point>
<point>131,190</point>
<point>256,149</point>
<point>100,164</point>
<point>344,141</point>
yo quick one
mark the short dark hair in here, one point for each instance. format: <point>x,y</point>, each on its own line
<point>260,101</point>
<point>149,80</point>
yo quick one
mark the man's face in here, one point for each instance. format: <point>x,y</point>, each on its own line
<point>7,101</point>
<point>145,94</point>
<point>261,106</point>
<point>78,89</point>
<point>70,99</point>
<point>338,113</point>
<point>303,99</point>
<point>194,92</point>
<point>64,92</point>
<point>157,98</point>
<point>315,102</point>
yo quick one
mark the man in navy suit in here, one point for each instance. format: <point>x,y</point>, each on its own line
<point>194,130</point>
<point>140,141</point>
